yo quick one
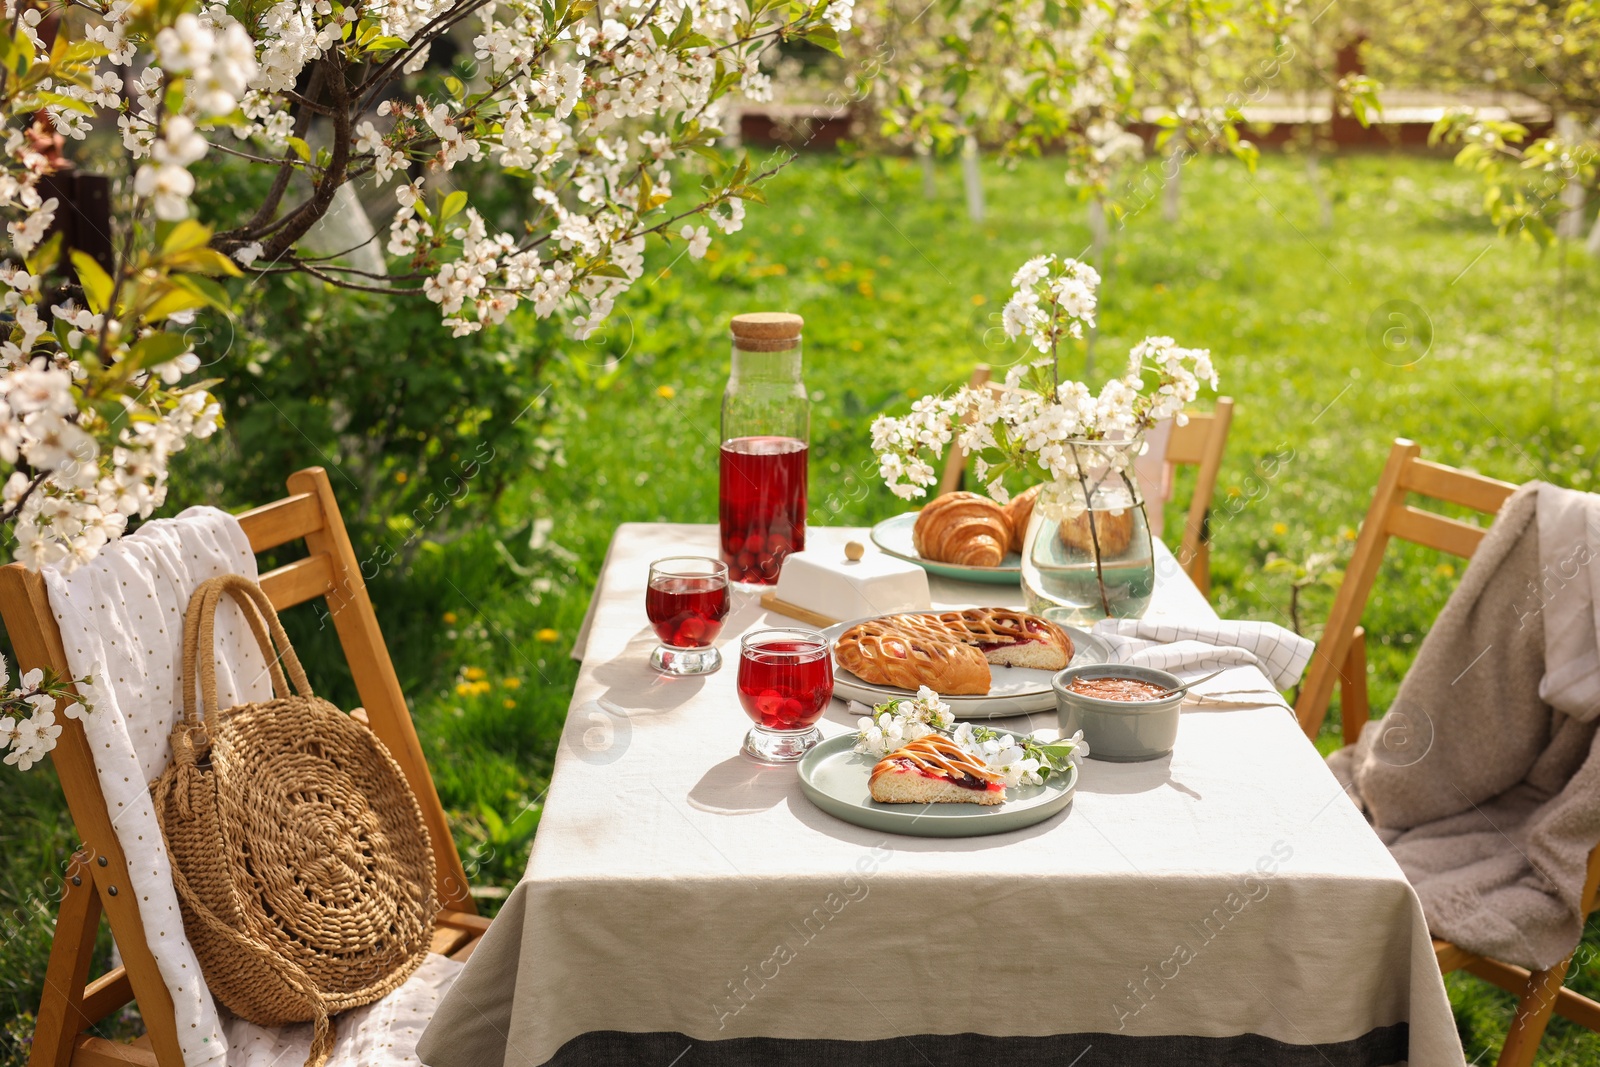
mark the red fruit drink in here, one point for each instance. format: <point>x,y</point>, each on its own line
<point>687,612</point>
<point>786,685</point>
<point>763,505</point>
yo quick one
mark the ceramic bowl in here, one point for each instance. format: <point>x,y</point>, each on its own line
<point>1122,731</point>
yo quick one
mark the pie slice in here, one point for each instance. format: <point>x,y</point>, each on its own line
<point>1010,638</point>
<point>934,770</point>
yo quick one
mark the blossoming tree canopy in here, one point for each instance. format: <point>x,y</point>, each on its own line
<point>587,107</point>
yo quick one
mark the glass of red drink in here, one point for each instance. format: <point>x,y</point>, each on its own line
<point>785,683</point>
<point>687,602</point>
<point>763,505</point>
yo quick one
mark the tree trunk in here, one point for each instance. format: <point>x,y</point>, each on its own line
<point>1573,193</point>
<point>972,178</point>
<point>346,232</point>
<point>1314,177</point>
<point>1171,190</point>
<point>1100,234</point>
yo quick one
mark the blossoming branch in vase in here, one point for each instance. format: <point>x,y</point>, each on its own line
<point>1016,760</point>
<point>28,727</point>
<point>1036,422</point>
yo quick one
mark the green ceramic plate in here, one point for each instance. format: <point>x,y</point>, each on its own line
<point>894,537</point>
<point>834,778</point>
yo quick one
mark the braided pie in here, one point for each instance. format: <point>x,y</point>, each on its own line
<point>1010,638</point>
<point>908,651</point>
<point>934,770</point>
<point>950,652</point>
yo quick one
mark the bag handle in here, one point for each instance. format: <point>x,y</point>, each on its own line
<point>199,643</point>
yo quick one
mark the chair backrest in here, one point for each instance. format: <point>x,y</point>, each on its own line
<point>1389,517</point>
<point>332,571</point>
<point>1200,443</point>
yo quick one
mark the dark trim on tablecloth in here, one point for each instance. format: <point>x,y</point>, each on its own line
<point>1383,1047</point>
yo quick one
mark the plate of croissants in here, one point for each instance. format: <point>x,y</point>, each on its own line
<point>985,662</point>
<point>962,535</point>
<point>929,787</point>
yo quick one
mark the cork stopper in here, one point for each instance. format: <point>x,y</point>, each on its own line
<point>766,331</point>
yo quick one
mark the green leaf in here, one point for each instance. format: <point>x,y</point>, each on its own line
<point>97,284</point>
<point>172,302</point>
<point>158,348</point>
<point>46,255</point>
<point>301,149</point>
<point>71,103</point>
<point>186,235</point>
<point>452,204</point>
<point>211,292</point>
<point>824,37</point>
<point>205,261</point>
<point>710,153</point>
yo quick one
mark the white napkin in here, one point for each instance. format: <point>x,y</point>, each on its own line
<point>1195,646</point>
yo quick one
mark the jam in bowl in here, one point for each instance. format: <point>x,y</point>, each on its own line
<point>1113,688</point>
<point>1120,709</point>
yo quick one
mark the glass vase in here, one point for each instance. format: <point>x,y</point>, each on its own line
<point>1087,554</point>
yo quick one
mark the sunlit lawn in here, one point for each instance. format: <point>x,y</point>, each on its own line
<point>901,294</point>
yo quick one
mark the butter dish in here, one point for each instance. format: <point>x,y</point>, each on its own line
<point>827,583</point>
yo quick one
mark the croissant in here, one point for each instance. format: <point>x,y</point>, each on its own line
<point>934,770</point>
<point>1018,512</point>
<point>962,528</point>
<point>907,651</point>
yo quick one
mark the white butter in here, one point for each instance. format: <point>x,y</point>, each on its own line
<point>822,580</point>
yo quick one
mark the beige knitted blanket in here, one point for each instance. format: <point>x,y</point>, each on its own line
<point>1484,777</point>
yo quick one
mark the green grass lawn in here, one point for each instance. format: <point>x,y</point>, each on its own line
<point>901,295</point>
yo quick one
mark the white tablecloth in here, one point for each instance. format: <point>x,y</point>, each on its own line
<point>1227,905</point>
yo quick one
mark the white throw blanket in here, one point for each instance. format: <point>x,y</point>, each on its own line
<point>121,620</point>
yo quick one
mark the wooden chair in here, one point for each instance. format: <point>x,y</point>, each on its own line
<point>1200,444</point>
<point>1341,656</point>
<point>72,1003</point>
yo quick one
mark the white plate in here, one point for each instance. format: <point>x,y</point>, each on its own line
<point>834,778</point>
<point>1013,690</point>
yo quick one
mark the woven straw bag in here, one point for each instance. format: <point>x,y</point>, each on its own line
<point>299,853</point>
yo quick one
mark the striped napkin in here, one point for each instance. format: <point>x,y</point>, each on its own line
<point>1195,646</point>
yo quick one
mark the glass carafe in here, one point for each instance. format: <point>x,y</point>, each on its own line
<point>766,430</point>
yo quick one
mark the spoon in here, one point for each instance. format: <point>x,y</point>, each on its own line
<point>1186,686</point>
